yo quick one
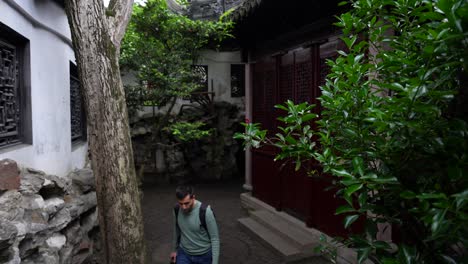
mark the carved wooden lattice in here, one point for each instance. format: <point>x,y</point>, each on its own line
<point>259,97</point>
<point>237,80</point>
<point>263,92</point>
<point>269,86</point>
<point>325,68</point>
<point>201,73</point>
<point>286,88</point>
<point>78,128</point>
<point>304,82</point>
<point>9,97</point>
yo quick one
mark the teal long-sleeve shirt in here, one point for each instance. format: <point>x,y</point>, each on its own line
<point>194,239</point>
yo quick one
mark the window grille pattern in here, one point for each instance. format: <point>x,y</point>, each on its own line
<point>237,80</point>
<point>304,82</point>
<point>9,96</point>
<point>78,120</point>
<point>201,74</point>
<point>263,94</point>
<point>325,68</point>
<point>286,88</point>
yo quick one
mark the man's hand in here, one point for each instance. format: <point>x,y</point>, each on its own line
<point>173,257</point>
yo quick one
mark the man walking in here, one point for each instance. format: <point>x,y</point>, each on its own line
<point>196,238</point>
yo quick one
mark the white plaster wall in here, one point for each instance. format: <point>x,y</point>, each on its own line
<point>50,55</point>
<point>219,74</point>
<point>48,13</point>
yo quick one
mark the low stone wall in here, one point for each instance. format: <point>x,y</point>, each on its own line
<point>45,218</point>
<point>212,158</point>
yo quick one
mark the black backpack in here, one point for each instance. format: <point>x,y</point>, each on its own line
<point>201,215</point>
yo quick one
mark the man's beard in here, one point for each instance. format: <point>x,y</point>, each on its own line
<point>188,210</point>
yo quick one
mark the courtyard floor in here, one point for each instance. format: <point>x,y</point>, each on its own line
<point>237,247</point>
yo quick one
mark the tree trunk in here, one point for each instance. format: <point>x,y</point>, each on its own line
<point>97,33</point>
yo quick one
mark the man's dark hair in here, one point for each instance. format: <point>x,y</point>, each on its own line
<point>183,190</point>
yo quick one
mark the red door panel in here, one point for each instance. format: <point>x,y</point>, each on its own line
<point>295,76</point>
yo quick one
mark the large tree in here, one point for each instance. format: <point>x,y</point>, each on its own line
<point>97,32</point>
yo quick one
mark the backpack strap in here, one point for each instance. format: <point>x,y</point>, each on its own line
<point>202,215</point>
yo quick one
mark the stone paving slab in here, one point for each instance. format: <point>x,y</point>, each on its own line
<point>237,247</point>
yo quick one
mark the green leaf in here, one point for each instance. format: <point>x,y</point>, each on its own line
<point>344,209</point>
<point>342,173</point>
<point>323,238</point>
<point>406,254</point>
<point>363,254</point>
<point>353,188</point>
<point>350,181</point>
<point>348,199</point>
<point>298,165</point>
<point>448,260</point>
<point>326,152</point>
<point>438,221</point>
<point>444,5</point>
<point>342,3</point>
<point>349,41</point>
<point>397,86</point>
<point>290,139</point>
<point>407,195</point>
<point>381,245</point>
<point>349,220</point>
<point>426,196</point>
<point>461,198</point>
<point>369,176</point>
<point>350,132</point>
<point>362,199</point>
<point>358,165</point>
<point>308,117</point>
<point>358,58</point>
<point>342,53</point>
<point>387,180</point>
<point>281,107</point>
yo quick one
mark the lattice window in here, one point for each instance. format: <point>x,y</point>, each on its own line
<point>77,116</point>
<point>286,83</point>
<point>237,80</point>
<point>304,82</point>
<point>201,73</point>
<point>325,68</point>
<point>10,122</point>
<point>259,98</point>
<point>262,99</point>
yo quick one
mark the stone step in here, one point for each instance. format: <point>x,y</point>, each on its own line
<point>288,251</point>
<point>304,241</point>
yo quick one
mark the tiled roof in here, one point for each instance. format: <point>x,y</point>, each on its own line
<point>244,9</point>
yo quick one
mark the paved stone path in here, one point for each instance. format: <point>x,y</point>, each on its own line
<point>237,247</point>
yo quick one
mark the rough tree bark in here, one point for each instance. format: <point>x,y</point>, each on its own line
<point>96,33</point>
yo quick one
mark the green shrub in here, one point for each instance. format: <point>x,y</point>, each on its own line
<point>393,128</point>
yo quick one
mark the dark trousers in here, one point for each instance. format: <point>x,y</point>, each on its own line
<point>184,258</point>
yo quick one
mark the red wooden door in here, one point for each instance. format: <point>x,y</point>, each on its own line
<point>294,76</point>
<point>266,181</point>
<point>296,83</point>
